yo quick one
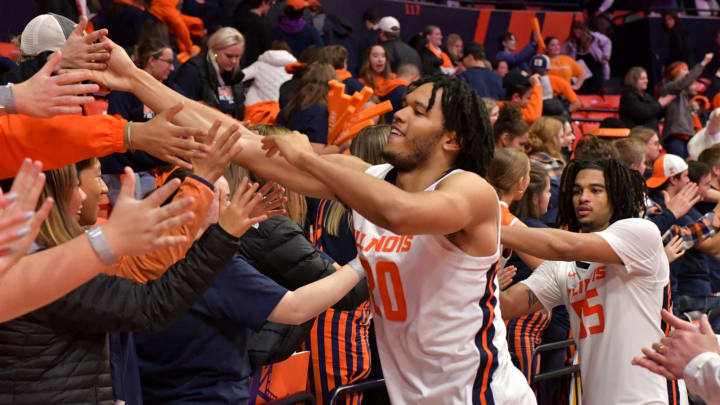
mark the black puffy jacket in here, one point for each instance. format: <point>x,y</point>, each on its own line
<point>58,353</point>
<point>279,249</point>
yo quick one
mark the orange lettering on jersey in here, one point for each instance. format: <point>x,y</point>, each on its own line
<point>599,273</point>
<point>390,243</point>
<point>375,243</point>
<point>371,284</point>
<point>407,244</point>
<point>359,238</point>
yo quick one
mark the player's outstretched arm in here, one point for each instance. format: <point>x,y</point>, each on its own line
<point>308,301</point>
<point>518,300</point>
<point>451,207</point>
<point>122,74</point>
<point>556,244</point>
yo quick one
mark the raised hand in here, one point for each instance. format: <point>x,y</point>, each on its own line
<point>708,57</point>
<point>167,141</point>
<point>19,221</point>
<point>681,202</point>
<point>81,51</point>
<point>217,160</point>
<point>44,95</point>
<point>535,79</point>
<point>236,215</point>
<point>670,356</point>
<point>273,200</point>
<point>291,146</point>
<point>139,226</point>
<point>674,249</point>
<point>119,67</point>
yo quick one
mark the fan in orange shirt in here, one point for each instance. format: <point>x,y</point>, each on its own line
<point>375,70</point>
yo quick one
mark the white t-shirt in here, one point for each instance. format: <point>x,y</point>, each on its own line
<point>614,312</point>
<point>439,330</point>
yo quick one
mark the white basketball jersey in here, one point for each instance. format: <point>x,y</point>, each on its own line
<point>614,312</point>
<point>439,330</point>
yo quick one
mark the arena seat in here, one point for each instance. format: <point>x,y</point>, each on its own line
<point>297,398</point>
<point>612,100</point>
<point>338,393</point>
<point>591,101</point>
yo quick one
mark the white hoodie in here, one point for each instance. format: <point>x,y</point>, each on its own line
<point>269,74</point>
<point>706,137</point>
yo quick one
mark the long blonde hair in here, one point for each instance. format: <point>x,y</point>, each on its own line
<point>507,168</point>
<point>544,137</point>
<point>368,146</point>
<point>224,37</point>
<point>60,226</point>
<point>295,206</point>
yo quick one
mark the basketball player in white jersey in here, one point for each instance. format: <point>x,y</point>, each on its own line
<point>427,226</point>
<point>613,279</point>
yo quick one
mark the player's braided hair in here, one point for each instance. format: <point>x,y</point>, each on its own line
<point>463,112</point>
<point>625,188</point>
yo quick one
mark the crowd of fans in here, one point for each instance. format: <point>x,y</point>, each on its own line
<point>148,255</point>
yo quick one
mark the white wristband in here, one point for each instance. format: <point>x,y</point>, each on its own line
<point>101,246</point>
<point>358,267</point>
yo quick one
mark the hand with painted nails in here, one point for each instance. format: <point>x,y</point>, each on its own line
<point>19,220</point>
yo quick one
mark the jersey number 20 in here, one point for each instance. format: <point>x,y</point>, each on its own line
<point>385,268</point>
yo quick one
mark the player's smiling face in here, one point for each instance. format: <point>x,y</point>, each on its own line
<point>590,200</point>
<point>416,129</point>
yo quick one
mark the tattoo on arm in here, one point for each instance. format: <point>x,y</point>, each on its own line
<point>532,298</point>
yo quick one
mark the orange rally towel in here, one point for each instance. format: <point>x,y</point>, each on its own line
<point>390,85</point>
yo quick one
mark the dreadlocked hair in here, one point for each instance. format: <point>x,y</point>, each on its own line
<point>464,113</point>
<point>625,188</point>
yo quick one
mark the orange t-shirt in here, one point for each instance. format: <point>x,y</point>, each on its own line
<point>533,109</point>
<point>565,67</point>
<point>562,87</point>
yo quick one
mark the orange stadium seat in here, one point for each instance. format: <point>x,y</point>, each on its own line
<point>612,100</point>
<point>591,101</point>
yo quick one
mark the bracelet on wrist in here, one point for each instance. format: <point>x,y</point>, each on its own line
<point>128,137</point>
<point>101,246</point>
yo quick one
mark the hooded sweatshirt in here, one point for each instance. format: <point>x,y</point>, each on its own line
<point>268,74</point>
<point>707,137</point>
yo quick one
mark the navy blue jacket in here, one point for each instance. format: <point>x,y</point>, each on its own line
<point>692,270</point>
<point>312,121</point>
<point>396,99</point>
<point>486,82</point>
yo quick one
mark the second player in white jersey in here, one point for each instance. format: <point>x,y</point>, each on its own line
<point>440,334</point>
<point>614,312</point>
